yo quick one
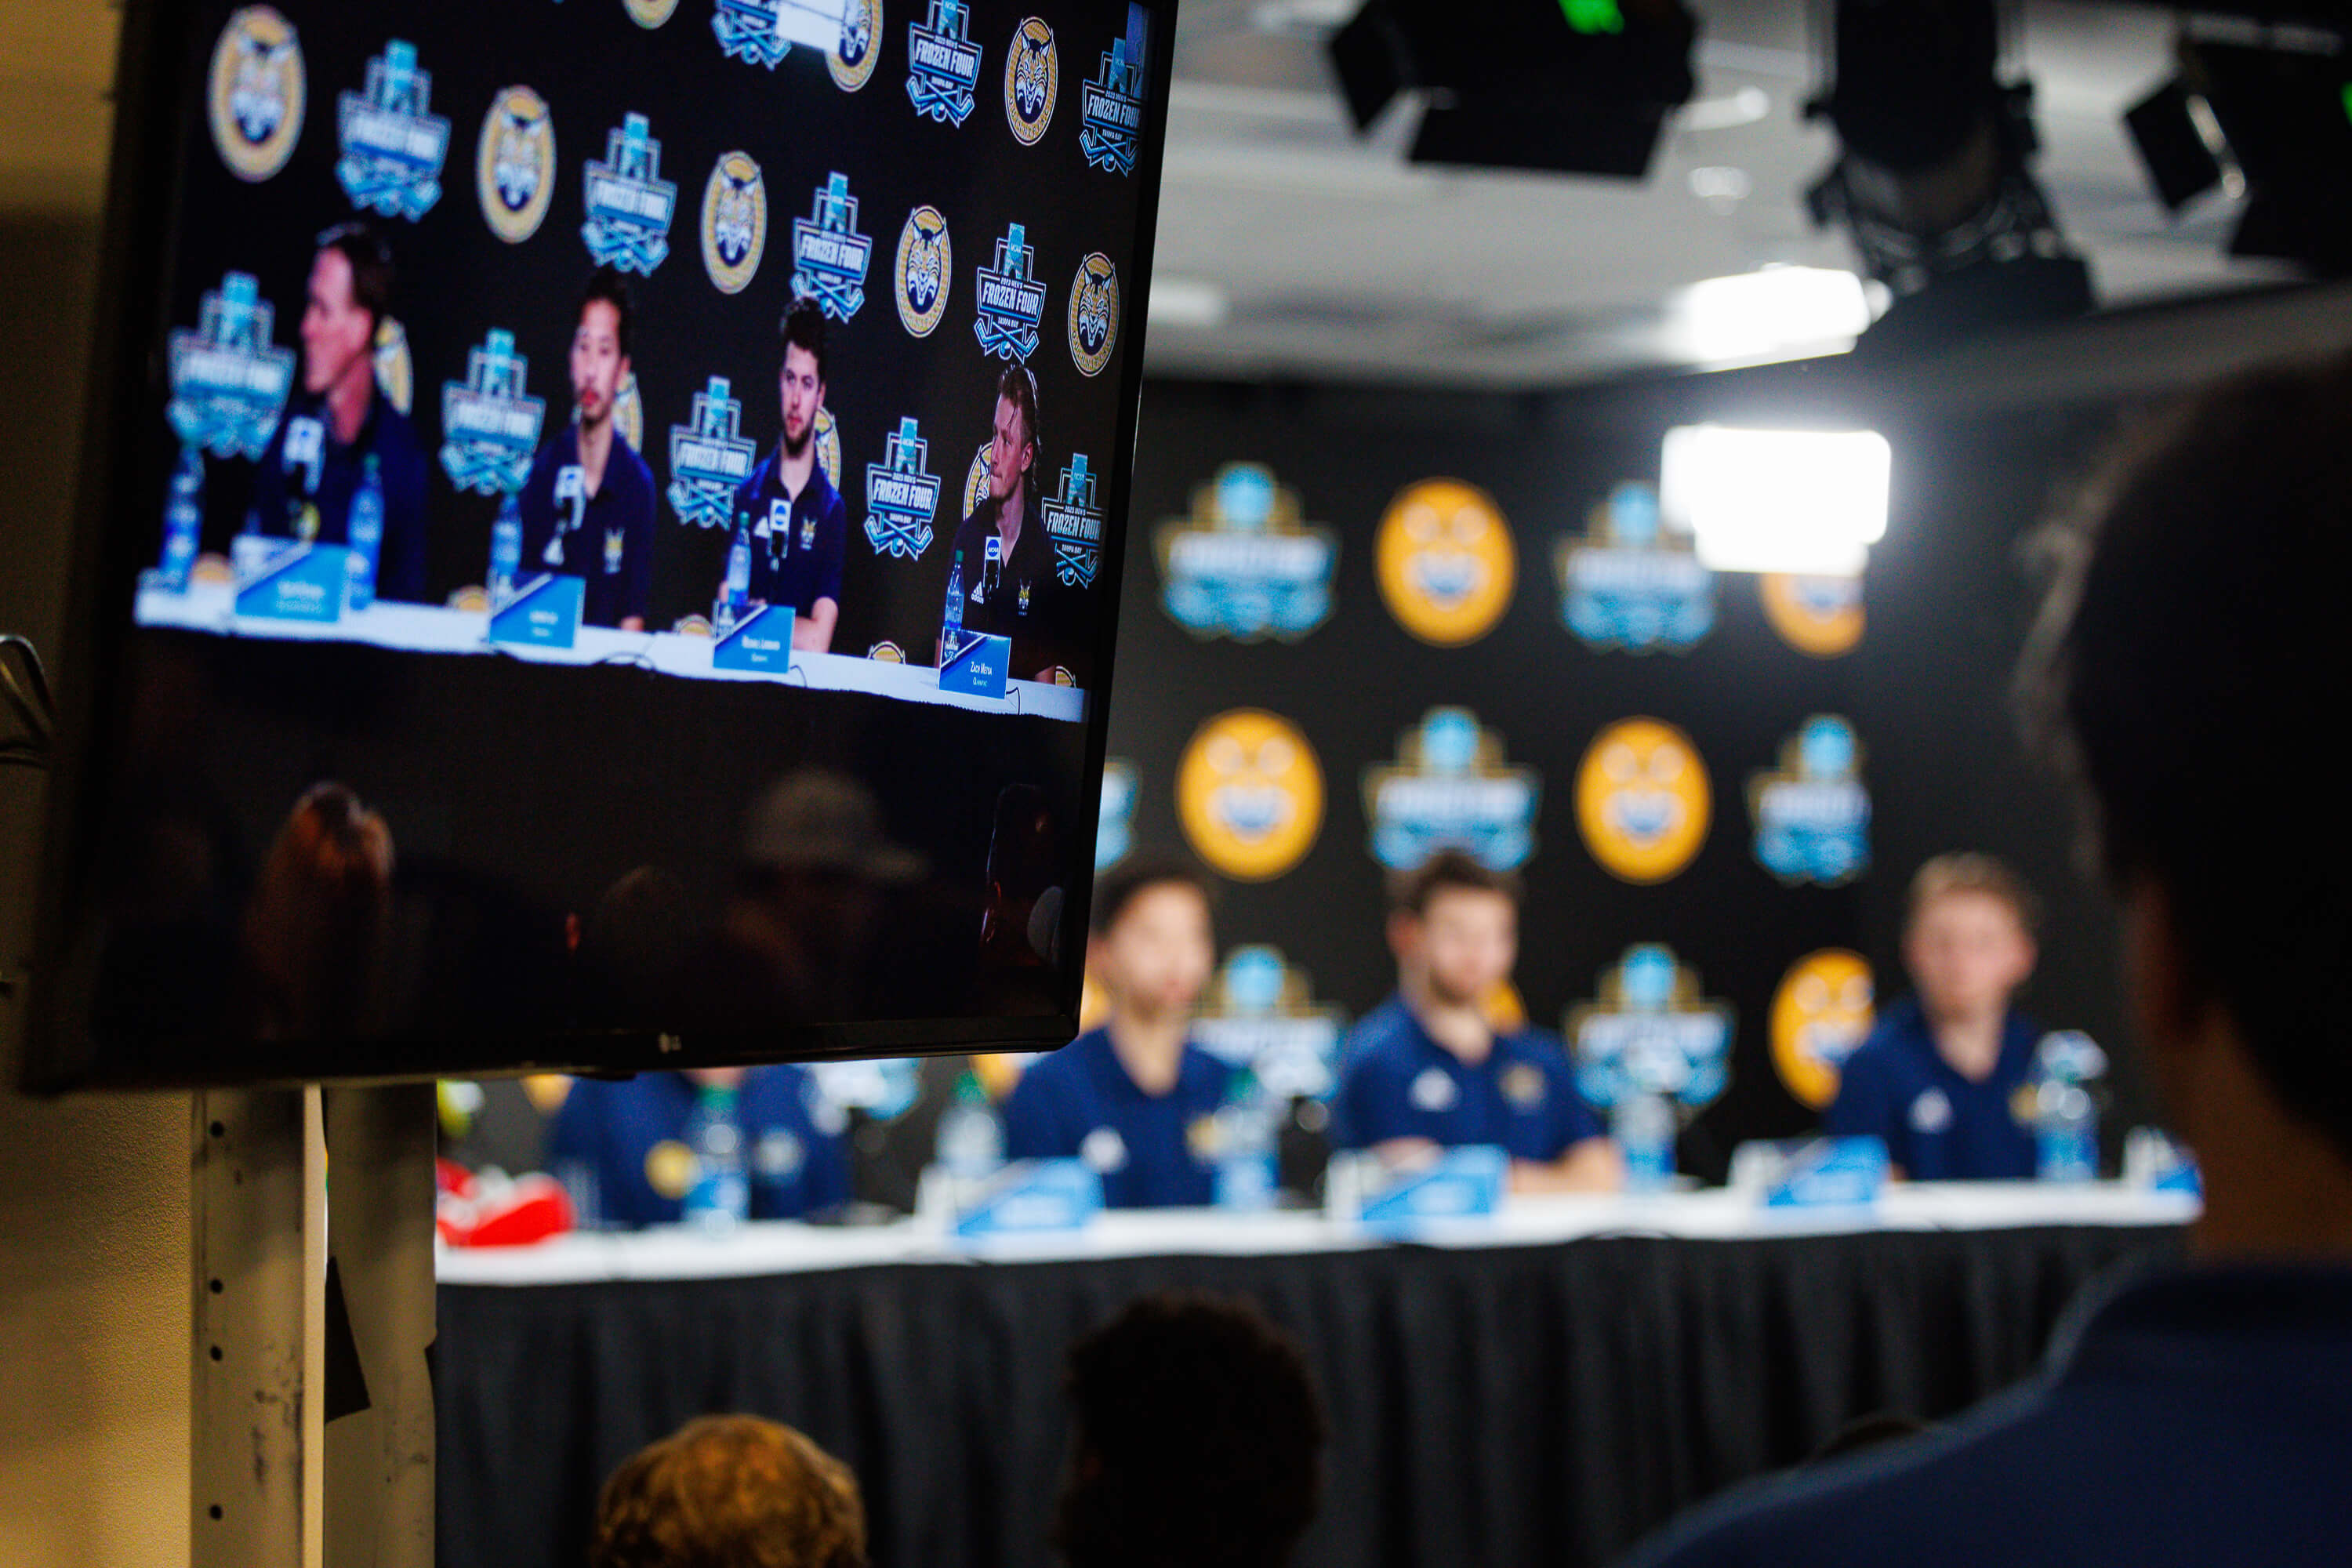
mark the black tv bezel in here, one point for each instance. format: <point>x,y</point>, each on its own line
<point>154,127</point>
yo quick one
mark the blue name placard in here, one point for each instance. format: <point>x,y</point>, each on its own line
<point>295,582</point>
<point>760,640</point>
<point>1830,1172</point>
<point>979,666</point>
<point>1462,1184</point>
<point>1034,1195</point>
<point>544,613</point>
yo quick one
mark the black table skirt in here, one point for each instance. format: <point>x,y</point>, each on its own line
<point>1509,1405</point>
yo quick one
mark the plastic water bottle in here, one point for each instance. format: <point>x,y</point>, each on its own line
<point>952,625</point>
<point>363,532</point>
<point>736,592</point>
<point>2066,1132</point>
<point>972,1143</point>
<point>1642,1124</point>
<point>506,550</point>
<point>1247,1176</point>
<point>720,1195</point>
<point>183,520</point>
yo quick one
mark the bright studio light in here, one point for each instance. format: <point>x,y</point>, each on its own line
<point>1809,501</point>
<point>1779,312</point>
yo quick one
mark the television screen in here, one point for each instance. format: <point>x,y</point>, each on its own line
<point>603,542</point>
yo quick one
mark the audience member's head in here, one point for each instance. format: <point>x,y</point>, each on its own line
<point>1198,1439</point>
<point>1967,936</point>
<point>2190,664</point>
<point>730,1491</point>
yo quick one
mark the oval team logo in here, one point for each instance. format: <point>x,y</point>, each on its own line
<point>734,222</point>
<point>1249,792</point>
<point>395,372</point>
<point>853,59</point>
<point>514,164</point>
<point>975,481</point>
<point>650,13</point>
<point>1094,313</point>
<point>828,445</point>
<point>925,272</point>
<point>1641,800</point>
<point>629,412</point>
<point>258,91</point>
<point>1819,615</point>
<point>1033,81</point>
<point>1445,561</point>
<point>1824,1009</point>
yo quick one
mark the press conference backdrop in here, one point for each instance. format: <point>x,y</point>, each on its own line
<point>1411,617</point>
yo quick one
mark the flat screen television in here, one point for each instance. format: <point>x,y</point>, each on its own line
<point>601,538</point>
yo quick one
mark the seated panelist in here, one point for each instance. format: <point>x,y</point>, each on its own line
<point>1136,1098</point>
<point>627,1137</point>
<point>1426,1069</point>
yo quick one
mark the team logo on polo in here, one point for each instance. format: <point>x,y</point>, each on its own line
<point>1244,566</point>
<point>514,167</point>
<point>1261,1014</point>
<point>925,260</point>
<point>228,380</point>
<point>734,222</point>
<point>1094,314</point>
<point>1822,1010</point>
<point>748,31</point>
<point>1446,564</point>
<point>258,92</point>
<point>630,206</point>
<point>1819,615</point>
<point>1641,800</point>
<point>829,255</point>
<point>852,59</point>
<point>1114,100</point>
<point>902,495</point>
<point>650,13</point>
<point>629,412</point>
<point>489,424</point>
<point>1450,789</point>
<point>943,63</point>
<point>1033,81</point>
<point>1625,584</point>
<point>1075,524</point>
<point>1812,816</point>
<point>1649,1033</point>
<point>394,145</point>
<point>1011,301</point>
<point>395,369</point>
<point>1249,795</point>
<point>1115,827</point>
<point>710,459</point>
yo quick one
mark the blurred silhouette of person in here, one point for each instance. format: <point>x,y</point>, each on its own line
<point>730,1491</point>
<point>314,942</point>
<point>2190,653</point>
<point>1198,1438</point>
<point>632,947</point>
<point>1022,926</point>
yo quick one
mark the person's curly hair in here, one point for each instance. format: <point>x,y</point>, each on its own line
<point>1199,1438</point>
<point>730,1491</point>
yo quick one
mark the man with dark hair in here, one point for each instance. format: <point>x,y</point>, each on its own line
<point>588,507</point>
<point>1428,1069</point>
<point>1009,588</point>
<point>338,431</point>
<point>1135,1099</point>
<point>789,509</point>
<point>730,1491</point>
<point>2192,1415</point>
<point>1938,1077</point>
<point>1198,1439</point>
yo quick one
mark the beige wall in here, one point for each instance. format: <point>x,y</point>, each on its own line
<point>94,1306</point>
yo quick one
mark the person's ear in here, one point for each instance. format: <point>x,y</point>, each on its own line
<point>1404,935</point>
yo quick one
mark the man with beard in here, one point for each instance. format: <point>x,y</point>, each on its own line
<point>1428,1070</point>
<point>798,527</point>
<point>339,427</point>
<point>588,507</point>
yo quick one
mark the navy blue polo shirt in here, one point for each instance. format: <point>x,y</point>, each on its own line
<point>2189,1417</point>
<point>302,487</point>
<point>794,1164</point>
<point>1938,1126</point>
<point>1079,1103</point>
<point>797,541</point>
<point>1395,1081</point>
<point>606,540</point>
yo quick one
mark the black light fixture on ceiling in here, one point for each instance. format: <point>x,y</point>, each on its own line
<point>1931,178</point>
<point>1570,86</point>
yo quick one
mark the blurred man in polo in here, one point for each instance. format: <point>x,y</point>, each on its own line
<point>1426,1068</point>
<point>2192,1415</point>
<point>799,525</point>
<point>1022,598</point>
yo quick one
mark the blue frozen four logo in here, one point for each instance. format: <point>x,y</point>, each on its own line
<point>710,459</point>
<point>228,380</point>
<point>1261,1014</point>
<point>392,147</point>
<point>1075,524</point>
<point>490,424</point>
<point>829,255</point>
<point>747,31</point>
<point>1244,564</point>
<point>1624,584</point>
<point>1813,817</point>
<point>943,63</point>
<point>1011,301</point>
<point>902,495</point>
<point>1651,1033</point>
<point>1113,103</point>
<point>630,206</point>
<point>1449,789</point>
